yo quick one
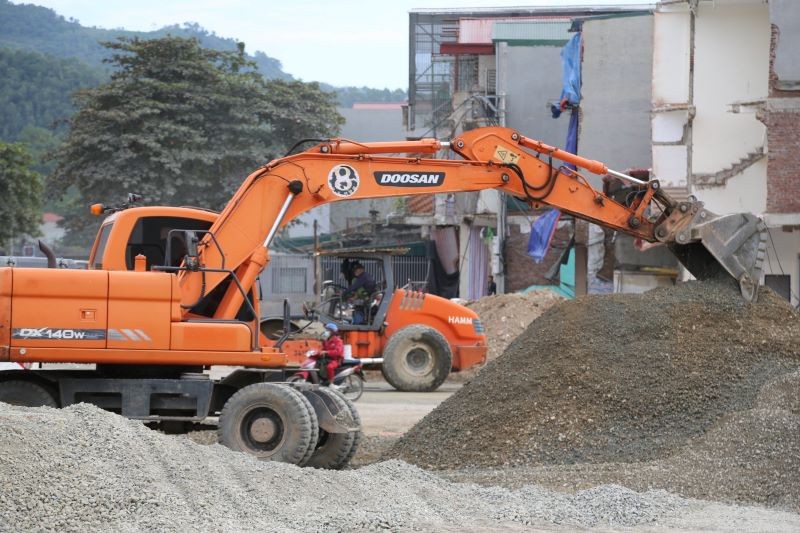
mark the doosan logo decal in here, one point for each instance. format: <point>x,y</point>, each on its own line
<point>343,180</point>
<point>410,179</point>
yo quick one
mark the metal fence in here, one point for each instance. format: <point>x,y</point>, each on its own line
<point>405,268</point>
<point>291,277</point>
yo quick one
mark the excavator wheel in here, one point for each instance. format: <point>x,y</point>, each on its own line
<point>356,435</point>
<point>26,393</point>
<point>269,421</point>
<point>416,359</point>
<point>312,444</point>
<point>334,450</point>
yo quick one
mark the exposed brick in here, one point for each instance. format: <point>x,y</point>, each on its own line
<point>783,163</point>
<point>783,140</point>
<point>420,205</point>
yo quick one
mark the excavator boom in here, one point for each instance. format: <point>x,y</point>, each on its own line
<point>493,157</point>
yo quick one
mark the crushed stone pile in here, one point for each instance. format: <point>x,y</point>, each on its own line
<point>83,469</point>
<point>618,378</point>
<point>750,456</point>
<point>505,316</point>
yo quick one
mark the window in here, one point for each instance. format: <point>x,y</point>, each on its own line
<point>105,231</point>
<point>149,238</point>
<point>289,280</point>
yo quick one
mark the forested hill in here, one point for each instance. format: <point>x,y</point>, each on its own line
<point>30,27</point>
<point>45,58</point>
<point>36,89</point>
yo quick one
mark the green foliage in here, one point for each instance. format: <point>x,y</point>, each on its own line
<point>40,143</point>
<point>29,27</point>
<point>35,90</point>
<point>20,194</point>
<point>181,124</point>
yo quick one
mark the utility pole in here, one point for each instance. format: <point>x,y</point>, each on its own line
<point>501,86</point>
<point>502,220</point>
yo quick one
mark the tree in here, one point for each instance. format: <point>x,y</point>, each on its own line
<point>181,124</point>
<point>40,143</point>
<point>20,194</point>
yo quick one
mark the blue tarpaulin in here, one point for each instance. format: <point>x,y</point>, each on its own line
<point>570,76</point>
<point>542,231</point>
<point>571,70</point>
<point>571,91</point>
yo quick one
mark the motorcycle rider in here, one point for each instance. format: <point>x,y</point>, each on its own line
<point>331,354</point>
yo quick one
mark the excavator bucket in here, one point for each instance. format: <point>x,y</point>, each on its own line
<point>711,245</point>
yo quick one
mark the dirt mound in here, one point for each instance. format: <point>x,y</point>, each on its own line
<point>616,378</point>
<point>505,316</point>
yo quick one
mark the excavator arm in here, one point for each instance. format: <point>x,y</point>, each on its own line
<point>493,158</point>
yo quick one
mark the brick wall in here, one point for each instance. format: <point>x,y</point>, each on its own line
<point>782,118</point>
<point>420,204</point>
<point>783,164</point>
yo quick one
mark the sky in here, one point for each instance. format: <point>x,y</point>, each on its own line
<point>341,42</point>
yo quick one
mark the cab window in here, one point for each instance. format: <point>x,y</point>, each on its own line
<point>97,260</point>
<point>149,238</point>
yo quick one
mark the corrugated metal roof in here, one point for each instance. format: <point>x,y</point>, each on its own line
<point>553,32</point>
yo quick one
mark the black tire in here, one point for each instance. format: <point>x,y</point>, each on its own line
<point>26,394</point>
<point>312,444</point>
<point>268,421</point>
<point>334,450</point>
<point>357,435</point>
<point>417,359</point>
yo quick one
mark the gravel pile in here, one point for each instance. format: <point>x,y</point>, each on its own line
<point>615,378</point>
<point>750,456</point>
<point>83,469</point>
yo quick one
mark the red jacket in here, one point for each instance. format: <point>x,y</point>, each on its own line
<point>334,347</point>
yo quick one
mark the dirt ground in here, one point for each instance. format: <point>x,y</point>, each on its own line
<point>406,408</point>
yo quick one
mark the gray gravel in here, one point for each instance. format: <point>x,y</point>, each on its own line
<point>613,378</point>
<point>83,469</point>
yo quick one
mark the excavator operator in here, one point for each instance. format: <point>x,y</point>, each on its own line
<point>360,289</point>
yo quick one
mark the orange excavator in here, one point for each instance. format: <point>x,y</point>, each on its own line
<point>170,291</point>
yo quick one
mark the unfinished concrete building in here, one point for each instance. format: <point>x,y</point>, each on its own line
<point>726,103</point>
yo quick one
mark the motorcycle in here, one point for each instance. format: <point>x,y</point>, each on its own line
<point>349,378</point>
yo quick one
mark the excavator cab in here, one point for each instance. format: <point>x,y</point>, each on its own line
<point>160,234</point>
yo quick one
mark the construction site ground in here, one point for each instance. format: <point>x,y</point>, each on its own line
<point>678,410</point>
